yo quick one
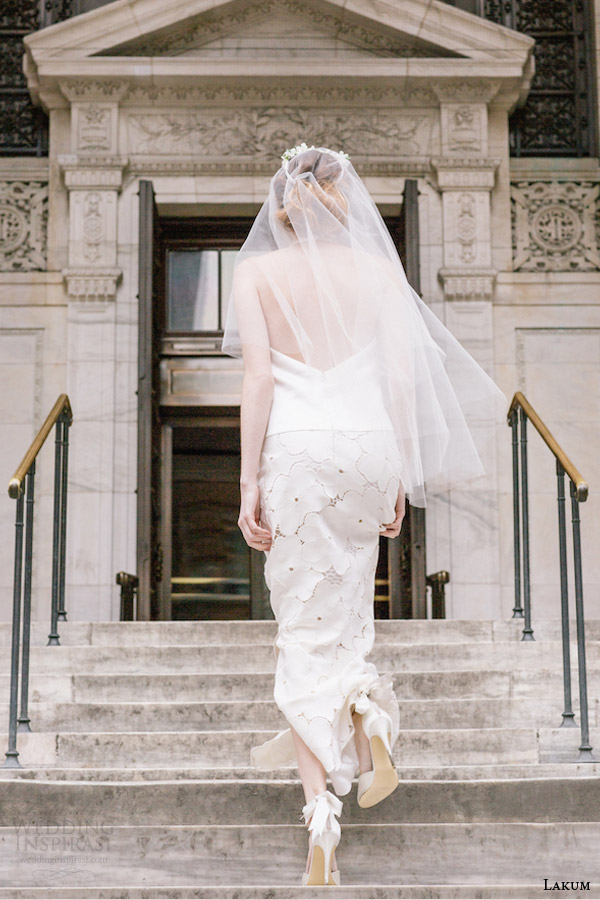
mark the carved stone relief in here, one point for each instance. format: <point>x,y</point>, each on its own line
<point>260,132</point>
<point>23,225</point>
<point>466,228</point>
<point>555,226</point>
<point>94,127</point>
<point>93,238</point>
<point>464,129</point>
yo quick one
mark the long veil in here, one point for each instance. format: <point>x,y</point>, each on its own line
<point>319,278</point>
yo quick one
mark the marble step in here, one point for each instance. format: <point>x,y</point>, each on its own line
<point>489,771</point>
<point>261,715</point>
<point>441,747</point>
<point>249,658</point>
<point>252,803</point>
<point>462,853</point>
<point>264,631</point>
<point>236,686</point>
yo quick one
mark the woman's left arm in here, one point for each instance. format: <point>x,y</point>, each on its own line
<point>257,395</point>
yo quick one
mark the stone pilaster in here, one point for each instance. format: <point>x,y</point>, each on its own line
<point>91,280</point>
<point>465,182</point>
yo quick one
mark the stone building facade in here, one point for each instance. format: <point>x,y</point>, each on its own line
<point>200,97</point>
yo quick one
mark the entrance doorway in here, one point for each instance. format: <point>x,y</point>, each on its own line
<point>193,562</point>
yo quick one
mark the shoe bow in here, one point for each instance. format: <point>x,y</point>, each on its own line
<point>363,703</point>
<point>323,807</point>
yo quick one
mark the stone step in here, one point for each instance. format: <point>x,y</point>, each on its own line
<point>261,715</point>
<point>490,771</point>
<point>260,802</point>
<point>249,658</point>
<point>213,686</point>
<point>440,747</point>
<point>464,853</point>
<point>264,631</point>
<point>293,892</point>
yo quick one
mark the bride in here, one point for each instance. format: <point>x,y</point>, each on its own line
<point>355,398</point>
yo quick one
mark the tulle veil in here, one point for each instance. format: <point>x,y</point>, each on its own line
<point>319,278</point>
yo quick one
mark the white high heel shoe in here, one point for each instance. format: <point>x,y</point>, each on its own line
<point>382,779</point>
<point>326,833</point>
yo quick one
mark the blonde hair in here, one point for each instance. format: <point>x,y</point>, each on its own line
<point>326,170</point>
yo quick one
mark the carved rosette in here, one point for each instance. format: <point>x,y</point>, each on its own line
<point>93,184</point>
<point>23,225</point>
<point>555,226</point>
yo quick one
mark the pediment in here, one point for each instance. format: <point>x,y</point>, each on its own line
<point>277,29</point>
<point>222,29</point>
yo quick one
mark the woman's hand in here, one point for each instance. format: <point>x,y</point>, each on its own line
<point>254,534</point>
<point>393,529</point>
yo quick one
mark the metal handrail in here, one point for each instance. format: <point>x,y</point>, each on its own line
<point>519,400</point>
<point>519,412</point>
<point>21,489</point>
<point>62,406</point>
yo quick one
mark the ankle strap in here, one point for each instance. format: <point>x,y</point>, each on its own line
<point>322,806</point>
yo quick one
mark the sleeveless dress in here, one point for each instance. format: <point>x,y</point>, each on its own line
<point>328,479</point>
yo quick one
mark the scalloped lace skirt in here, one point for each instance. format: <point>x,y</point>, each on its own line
<point>324,496</point>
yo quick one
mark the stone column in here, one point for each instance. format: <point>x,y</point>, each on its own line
<point>465,179</point>
<point>91,278</point>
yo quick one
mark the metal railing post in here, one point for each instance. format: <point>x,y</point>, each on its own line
<point>21,488</point>
<point>527,630</point>
<point>585,749</point>
<point>53,637</point>
<point>568,716</point>
<point>66,422</point>
<point>514,424</point>
<point>29,506</point>
<point>12,754</point>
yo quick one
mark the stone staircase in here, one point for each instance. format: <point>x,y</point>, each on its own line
<point>136,779</point>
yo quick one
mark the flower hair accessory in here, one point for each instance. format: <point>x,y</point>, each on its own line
<point>300,148</point>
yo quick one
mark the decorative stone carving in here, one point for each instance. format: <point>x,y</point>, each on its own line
<point>92,284</point>
<point>555,225</point>
<point>94,127</point>
<point>96,88</point>
<point>93,172</point>
<point>476,284</point>
<point>264,131</point>
<point>466,228</point>
<point>23,225</point>
<point>475,90</point>
<point>466,174</point>
<point>408,93</point>
<point>464,128</point>
<point>93,184</point>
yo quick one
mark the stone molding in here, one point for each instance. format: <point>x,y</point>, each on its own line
<point>476,90</point>
<point>465,174</point>
<point>23,225</point>
<point>100,172</point>
<point>476,284</point>
<point>92,283</point>
<point>555,225</point>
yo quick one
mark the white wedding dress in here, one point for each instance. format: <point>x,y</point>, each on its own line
<point>328,478</point>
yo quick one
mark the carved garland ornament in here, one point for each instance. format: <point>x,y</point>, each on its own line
<point>23,225</point>
<point>263,132</point>
<point>555,226</point>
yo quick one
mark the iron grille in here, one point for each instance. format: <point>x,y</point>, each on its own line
<point>558,118</point>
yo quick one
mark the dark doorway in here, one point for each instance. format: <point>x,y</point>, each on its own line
<point>193,562</point>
